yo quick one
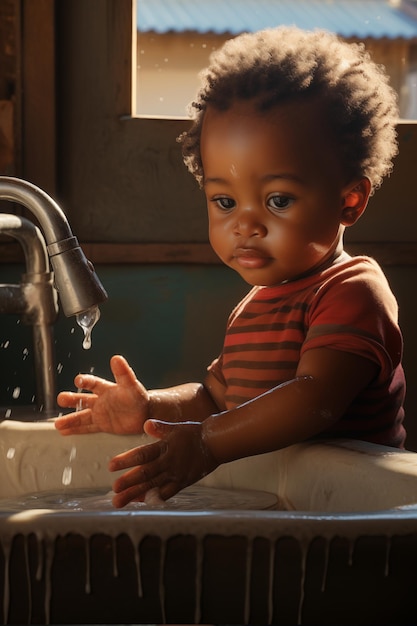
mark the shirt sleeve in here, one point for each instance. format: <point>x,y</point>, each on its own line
<point>356,312</point>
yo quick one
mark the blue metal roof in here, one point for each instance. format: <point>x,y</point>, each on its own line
<point>348,18</point>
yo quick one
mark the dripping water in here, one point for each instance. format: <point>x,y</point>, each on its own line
<point>249,556</point>
<point>387,556</point>
<point>87,566</point>
<point>351,550</point>
<point>326,565</point>
<point>114,553</point>
<point>40,559</point>
<point>27,569</point>
<point>67,475</point>
<point>50,553</point>
<point>87,320</point>
<point>304,549</point>
<point>161,580</point>
<point>272,548</point>
<point>198,579</point>
<point>67,472</point>
<point>138,570</point>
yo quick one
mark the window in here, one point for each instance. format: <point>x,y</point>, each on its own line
<point>176,37</point>
<point>120,177</point>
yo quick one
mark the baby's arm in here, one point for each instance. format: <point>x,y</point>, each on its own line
<point>326,382</point>
<point>123,406</point>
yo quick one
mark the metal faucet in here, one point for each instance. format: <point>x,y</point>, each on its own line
<point>73,276</point>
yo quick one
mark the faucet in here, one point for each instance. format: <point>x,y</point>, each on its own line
<point>35,299</point>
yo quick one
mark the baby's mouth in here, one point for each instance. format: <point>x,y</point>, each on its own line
<point>251,258</point>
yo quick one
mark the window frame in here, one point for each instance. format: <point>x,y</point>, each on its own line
<point>120,178</point>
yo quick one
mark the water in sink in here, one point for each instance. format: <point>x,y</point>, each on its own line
<point>190,499</point>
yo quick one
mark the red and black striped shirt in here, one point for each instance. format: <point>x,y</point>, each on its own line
<point>349,307</point>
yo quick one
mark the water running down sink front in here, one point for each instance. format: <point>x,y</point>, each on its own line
<point>344,551</point>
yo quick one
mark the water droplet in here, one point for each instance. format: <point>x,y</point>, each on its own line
<point>79,406</point>
<point>8,413</point>
<point>16,392</point>
<point>25,353</point>
<point>73,453</point>
<point>10,453</point>
<point>6,344</point>
<point>67,476</point>
<point>59,368</point>
<point>87,320</point>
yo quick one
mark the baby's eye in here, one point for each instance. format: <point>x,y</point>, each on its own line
<point>225,203</point>
<point>279,202</point>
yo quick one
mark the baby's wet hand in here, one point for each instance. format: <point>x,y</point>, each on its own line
<point>177,460</point>
<point>119,407</point>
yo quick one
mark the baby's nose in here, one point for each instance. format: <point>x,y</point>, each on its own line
<point>249,223</point>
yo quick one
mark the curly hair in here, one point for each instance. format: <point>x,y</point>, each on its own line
<point>282,64</point>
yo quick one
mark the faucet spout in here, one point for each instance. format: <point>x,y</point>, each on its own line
<point>75,279</point>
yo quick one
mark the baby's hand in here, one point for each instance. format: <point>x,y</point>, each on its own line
<point>177,460</point>
<point>119,407</point>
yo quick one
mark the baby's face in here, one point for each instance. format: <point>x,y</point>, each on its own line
<point>275,190</point>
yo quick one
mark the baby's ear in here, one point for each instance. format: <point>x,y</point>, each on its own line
<point>354,201</point>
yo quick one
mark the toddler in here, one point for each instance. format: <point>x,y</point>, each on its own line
<point>291,133</point>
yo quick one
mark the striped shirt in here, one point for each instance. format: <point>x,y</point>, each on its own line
<point>349,307</point>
